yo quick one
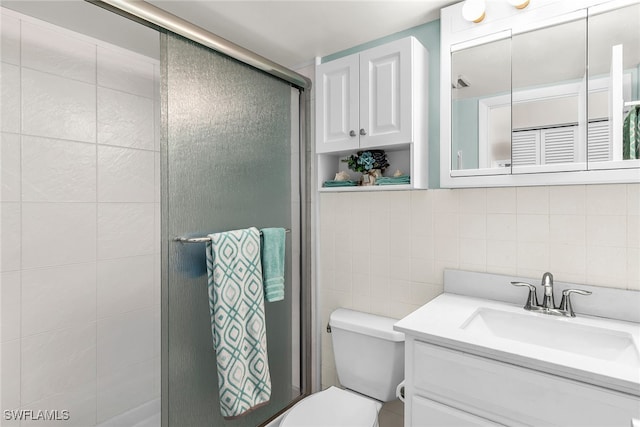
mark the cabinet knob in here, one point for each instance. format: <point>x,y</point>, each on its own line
<point>352,133</point>
<point>363,132</point>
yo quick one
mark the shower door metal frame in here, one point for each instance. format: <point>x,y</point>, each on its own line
<point>161,20</point>
<point>158,18</point>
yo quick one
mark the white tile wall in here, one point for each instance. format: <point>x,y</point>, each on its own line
<point>10,108</point>
<point>79,206</point>
<point>125,284</point>
<point>125,229</point>
<point>126,175</point>
<point>58,233</point>
<point>10,236</point>
<point>58,107</point>
<point>127,73</point>
<point>10,374</point>
<point>58,52</point>
<point>58,170</point>
<point>80,402</point>
<point>124,340</point>
<point>10,167</point>
<point>394,259</point>
<point>10,41</point>
<point>11,307</point>
<point>125,119</point>
<point>129,387</point>
<point>58,362</point>
<point>58,297</point>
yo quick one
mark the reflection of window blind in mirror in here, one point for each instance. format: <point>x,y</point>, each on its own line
<point>545,146</point>
<point>559,144</point>
<point>598,148</point>
<point>525,148</point>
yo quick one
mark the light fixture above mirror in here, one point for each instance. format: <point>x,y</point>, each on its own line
<point>474,10</point>
<point>519,4</point>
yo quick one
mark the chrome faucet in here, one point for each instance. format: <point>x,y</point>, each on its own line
<point>548,304</point>
<point>547,283</point>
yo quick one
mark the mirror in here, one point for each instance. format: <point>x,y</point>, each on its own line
<point>549,95</point>
<point>481,107</point>
<point>614,86</point>
<point>549,98</point>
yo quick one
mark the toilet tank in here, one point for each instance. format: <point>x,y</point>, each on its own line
<point>369,354</point>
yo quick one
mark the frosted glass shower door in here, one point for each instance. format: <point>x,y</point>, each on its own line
<point>228,163</point>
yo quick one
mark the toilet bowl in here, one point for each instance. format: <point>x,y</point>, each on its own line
<point>369,358</point>
<point>333,407</point>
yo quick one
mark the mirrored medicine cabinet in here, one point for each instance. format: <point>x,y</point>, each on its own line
<point>540,96</point>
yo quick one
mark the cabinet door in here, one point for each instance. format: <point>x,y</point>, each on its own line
<point>426,412</point>
<point>337,105</point>
<point>385,94</point>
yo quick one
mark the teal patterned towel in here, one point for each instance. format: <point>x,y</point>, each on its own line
<point>236,305</point>
<point>273,249</point>
<point>631,135</point>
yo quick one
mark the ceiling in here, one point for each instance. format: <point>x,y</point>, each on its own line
<point>290,33</point>
<point>294,32</point>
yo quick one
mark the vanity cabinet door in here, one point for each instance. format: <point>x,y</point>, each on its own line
<point>385,94</point>
<point>337,105</point>
<point>426,412</point>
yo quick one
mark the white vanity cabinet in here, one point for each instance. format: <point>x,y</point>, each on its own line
<point>446,387</point>
<point>375,99</point>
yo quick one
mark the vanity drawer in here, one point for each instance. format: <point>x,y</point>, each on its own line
<point>513,395</point>
<point>426,412</point>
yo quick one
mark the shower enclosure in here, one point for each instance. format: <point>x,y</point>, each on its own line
<point>117,138</point>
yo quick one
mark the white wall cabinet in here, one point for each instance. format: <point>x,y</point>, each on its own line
<point>337,105</point>
<point>448,387</point>
<point>376,99</point>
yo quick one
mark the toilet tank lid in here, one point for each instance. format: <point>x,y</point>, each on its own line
<point>365,323</point>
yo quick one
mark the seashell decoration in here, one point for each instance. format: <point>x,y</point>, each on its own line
<point>342,176</point>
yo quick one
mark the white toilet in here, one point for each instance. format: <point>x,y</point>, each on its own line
<point>369,357</point>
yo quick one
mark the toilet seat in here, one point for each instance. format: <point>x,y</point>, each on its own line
<point>333,407</point>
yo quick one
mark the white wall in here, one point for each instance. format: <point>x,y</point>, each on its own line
<point>79,222</point>
<point>385,252</point>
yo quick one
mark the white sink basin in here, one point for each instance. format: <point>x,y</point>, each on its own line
<point>555,333</point>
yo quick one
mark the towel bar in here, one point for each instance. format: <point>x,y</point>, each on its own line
<point>205,238</point>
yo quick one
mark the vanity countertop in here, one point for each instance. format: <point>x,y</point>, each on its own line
<point>506,332</point>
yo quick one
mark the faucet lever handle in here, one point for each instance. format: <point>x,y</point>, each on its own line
<point>567,292</point>
<point>532,299</point>
<point>565,303</point>
<point>529,285</point>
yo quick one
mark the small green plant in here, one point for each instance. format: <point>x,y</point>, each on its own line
<point>365,161</point>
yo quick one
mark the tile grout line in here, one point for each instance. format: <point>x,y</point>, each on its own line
<point>97,117</point>
<point>21,210</point>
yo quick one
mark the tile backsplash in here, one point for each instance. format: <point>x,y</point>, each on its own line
<point>384,252</point>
